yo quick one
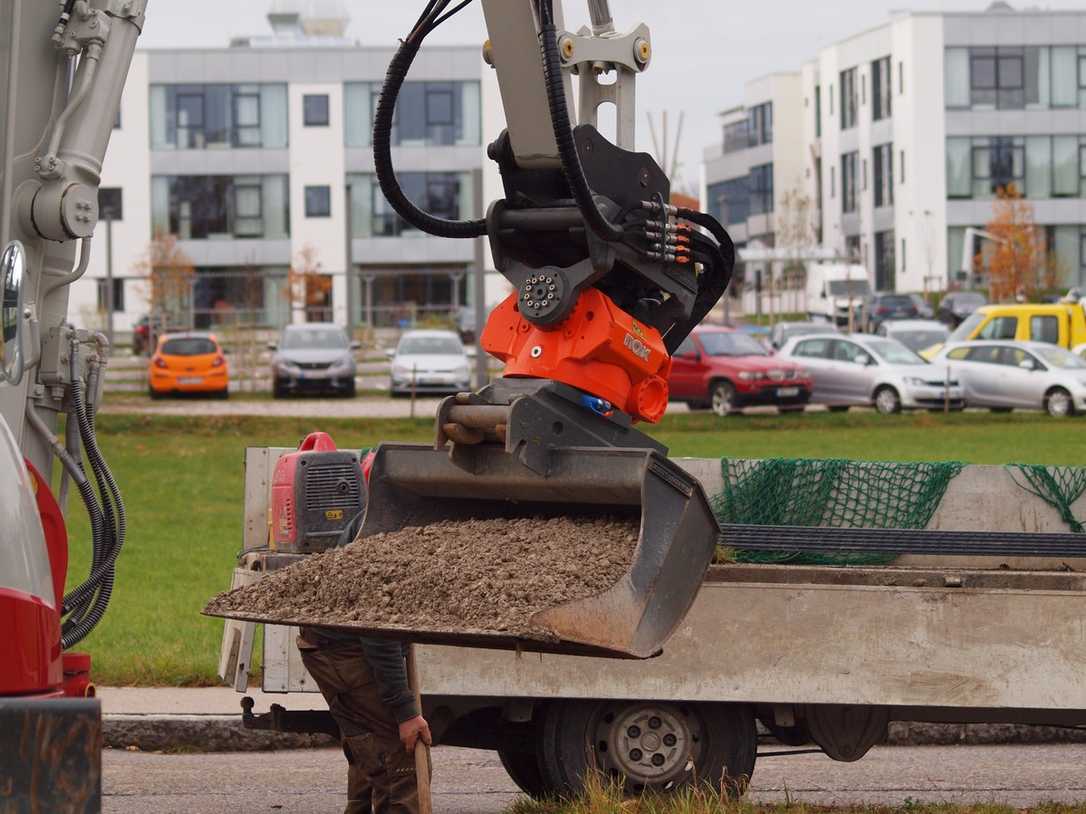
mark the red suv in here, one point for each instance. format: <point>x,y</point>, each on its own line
<point>726,369</point>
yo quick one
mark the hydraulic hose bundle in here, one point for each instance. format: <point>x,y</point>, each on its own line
<point>85,605</point>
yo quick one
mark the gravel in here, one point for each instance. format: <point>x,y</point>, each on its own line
<point>475,576</point>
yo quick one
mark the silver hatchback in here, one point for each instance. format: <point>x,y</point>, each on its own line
<point>866,370</point>
<point>1030,375</point>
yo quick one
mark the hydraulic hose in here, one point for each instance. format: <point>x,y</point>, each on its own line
<point>563,130</point>
<point>382,152</point>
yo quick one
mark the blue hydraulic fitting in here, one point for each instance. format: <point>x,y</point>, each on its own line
<point>597,405</point>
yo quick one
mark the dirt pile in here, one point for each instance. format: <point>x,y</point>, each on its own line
<point>467,576</point>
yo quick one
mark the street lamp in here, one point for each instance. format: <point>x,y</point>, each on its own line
<point>110,209</point>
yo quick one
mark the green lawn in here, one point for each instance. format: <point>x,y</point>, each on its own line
<point>182,482</point>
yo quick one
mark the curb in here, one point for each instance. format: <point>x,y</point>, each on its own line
<point>225,733</point>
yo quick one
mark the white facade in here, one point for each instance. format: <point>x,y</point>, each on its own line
<point>987,94</point>
<point>214,148</point>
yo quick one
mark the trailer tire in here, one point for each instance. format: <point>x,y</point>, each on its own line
<point>518,750</point>
<point>690,743</point>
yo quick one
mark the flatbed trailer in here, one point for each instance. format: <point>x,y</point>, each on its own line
<point>817,654</point>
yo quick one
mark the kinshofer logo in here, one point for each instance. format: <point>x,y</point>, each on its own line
<point>637,347</point>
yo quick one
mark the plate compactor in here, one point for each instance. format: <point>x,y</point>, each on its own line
<point>607,280</point>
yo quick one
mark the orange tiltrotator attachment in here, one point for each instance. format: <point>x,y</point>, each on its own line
<point>598,348</point>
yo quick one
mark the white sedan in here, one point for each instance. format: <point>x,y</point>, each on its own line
<point>1029,375</point>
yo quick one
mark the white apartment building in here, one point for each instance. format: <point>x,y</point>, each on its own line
<point>906,132</point>
<point>256,158</point>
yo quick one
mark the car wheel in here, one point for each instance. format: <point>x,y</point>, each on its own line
<point>887,400</point>
<point>1058,403</point>
<point>223,394</point>
<point>722,398</point>
<point>278,390</point>
<point>652,746</point>
<point>154,394</point>
<point>351,391</point>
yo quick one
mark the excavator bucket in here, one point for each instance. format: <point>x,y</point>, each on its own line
<point>413,485</point>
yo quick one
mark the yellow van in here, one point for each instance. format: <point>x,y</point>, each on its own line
<point>1062,324</point>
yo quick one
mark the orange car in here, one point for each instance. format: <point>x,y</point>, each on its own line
<point>191,362</point>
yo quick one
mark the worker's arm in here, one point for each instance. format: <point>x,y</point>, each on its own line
<point>386,662</point>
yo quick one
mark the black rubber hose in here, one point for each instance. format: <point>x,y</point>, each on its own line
<point>563,130</point>
<point>382,155</point>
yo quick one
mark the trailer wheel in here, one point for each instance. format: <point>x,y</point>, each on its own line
<point>518,749</point>
<point>654,745</point>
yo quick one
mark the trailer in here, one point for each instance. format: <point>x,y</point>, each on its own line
<point>817,654</point>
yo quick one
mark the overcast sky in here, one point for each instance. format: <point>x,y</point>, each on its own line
<point>704,49</point>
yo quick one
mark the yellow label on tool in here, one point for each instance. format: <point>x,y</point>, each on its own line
<point>333,514</point>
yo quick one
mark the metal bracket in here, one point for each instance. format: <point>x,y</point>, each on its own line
<point>590,57</point>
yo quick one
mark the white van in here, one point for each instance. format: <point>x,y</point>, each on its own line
<point>833,288</point>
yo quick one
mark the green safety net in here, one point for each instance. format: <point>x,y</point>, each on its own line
<point>830,492</point>
<point>1059,486</point>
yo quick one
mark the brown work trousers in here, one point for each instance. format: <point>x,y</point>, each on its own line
<point>380,773</point>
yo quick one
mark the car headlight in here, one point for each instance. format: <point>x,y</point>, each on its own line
<point>287,367</point>
<point>912,381</point>
<point>401,371</point>
<point>803,373</point>
<point>748,375</point>
<point>341,364</point>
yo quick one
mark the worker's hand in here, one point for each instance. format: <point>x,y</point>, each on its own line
<point>414,729</point>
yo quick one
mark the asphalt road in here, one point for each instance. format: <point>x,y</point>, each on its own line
<point>473,782</point>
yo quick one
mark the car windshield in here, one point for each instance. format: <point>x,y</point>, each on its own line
<point>804,330</point>
<point>849,288</point>
<point>319,339</point>
<point>189,346</point>
<point>967,298</point>
<point>731,344</point>
<point>918,340</point>
<point>1058,357</point>
<point>894,352</point>
<point>965,330</point>
<point>430,346</point>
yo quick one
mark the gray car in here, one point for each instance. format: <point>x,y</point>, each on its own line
<point>314,357</point>
<point>862,370</point>
<point>429,361</point>
<point>915,334</point>
<point>1006,375</point>
<point>783,331</point>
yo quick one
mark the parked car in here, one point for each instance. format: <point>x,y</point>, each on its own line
<point>726,369</point>
<point>870,370</point>
<point>316,357</point>
<point>883,306</point>
<point>188,362</point>
<point>832,288</point>
<point>1005,375</point>
<point>429,362</point>
<point>783,331</point>
<point>923,308</point>
<point>141,335</point>
<point>1062,324</point>
<point>957,305</point>
<point>915,334</point>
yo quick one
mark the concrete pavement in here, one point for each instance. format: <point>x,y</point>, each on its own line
<point>473,782</point>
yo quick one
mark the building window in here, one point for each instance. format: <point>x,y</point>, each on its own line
<point>428,114</point>
<point>103,294</point>
<point>761,189</point>
<point>110,203</point>
<point>818,111</point>
<point>729,201</point>
<point>884,261</point>
<point>848,98</point>
<point>1039,166</point>
<point>198,117</point>
<point>315,109</point>
<point>318,202</point>
<point>881,89</point>
<point>442,194</point>
<point>736,136</point>
<point>852,248</point>
<point>197,207</point>
<point>849,163</point>
<point>761,124</point>
<point>883,161</point>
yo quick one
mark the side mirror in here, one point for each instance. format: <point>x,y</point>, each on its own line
<point>273,346</point>
<point>12,283</point>
<point>823,294</point>
<point>864,359</point>
<point>389,352</point>
<point>1027,364</point>
<point>356,345</point>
